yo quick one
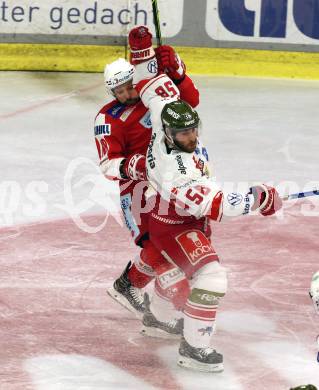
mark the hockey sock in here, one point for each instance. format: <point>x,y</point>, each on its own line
<point>199,317</point>
<point>162,308</point>
<point>138,277</point>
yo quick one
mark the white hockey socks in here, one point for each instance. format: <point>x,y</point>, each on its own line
<point>199,318</point>
<point>163,309</point>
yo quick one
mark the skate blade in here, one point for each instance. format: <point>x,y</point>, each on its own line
<point>158,333</point>
<point>124,302</point>
<point>197,366</point>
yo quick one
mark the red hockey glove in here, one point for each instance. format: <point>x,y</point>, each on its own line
<point>267,200</point>
<point>133,167</point>
<point>170,62</point>
<point>140,41</point>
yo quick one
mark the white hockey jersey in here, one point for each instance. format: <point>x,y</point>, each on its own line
<point>183,179</point>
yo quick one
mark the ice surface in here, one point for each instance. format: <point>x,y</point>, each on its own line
<point>60,331</point>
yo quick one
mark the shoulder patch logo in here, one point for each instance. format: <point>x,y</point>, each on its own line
<point>102,129</point>
<point>146,120</point>
<point>127,113</point>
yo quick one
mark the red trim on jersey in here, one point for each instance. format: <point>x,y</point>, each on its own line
<point>188,92</point>
<point>215,211</point>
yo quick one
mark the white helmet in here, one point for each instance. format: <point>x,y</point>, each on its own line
<point>117,73</point>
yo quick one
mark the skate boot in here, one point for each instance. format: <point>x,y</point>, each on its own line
<point>152,327</point>
<point>130,297</point>
<point>199,359</point>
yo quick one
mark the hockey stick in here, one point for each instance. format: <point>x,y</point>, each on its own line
<point>127,24</point>
<point>299,195</point>
<point>157,23</point>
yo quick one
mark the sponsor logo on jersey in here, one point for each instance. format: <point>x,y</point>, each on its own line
<point>199,164</point>
<point>247,205</point>
<point>196,246</point>
<point>184,185</point>
<point>170,277</point>
<point>102,129</point>
<point>181,166</point>
<point>152,67</point>
<point>116,110</point>
<point>234,199</point>
<point>126,202</point>
<point>150,157</point>
<point>146,120</point>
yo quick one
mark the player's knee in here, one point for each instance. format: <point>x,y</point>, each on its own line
<point>211,277</point>
<point>172,284</point>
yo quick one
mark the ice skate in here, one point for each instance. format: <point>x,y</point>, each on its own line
<point>199,359</point>
<point>152,327</point>
<point>130,297</point>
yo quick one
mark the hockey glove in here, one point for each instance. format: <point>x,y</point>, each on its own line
<point>133,167</point>
<point>170,63</point>
<point>140,41</point>
<point>267,200</point>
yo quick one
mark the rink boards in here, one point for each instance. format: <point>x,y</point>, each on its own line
<point>268,38</point>
<point>206,61</point>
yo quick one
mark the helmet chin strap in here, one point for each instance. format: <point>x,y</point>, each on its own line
<point>170,141</point>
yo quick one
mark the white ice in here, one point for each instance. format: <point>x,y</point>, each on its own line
<point>60,331</point>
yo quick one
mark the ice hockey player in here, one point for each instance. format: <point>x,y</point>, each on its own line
<point>122,133</point>
<point>314,291</point>
<point>193,278</point>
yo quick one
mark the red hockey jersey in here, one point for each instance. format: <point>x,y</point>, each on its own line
<point>123,130</point>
